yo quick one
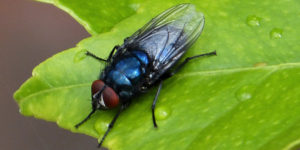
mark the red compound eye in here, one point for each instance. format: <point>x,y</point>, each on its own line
<point>97,86</point>
<point>110,97</point>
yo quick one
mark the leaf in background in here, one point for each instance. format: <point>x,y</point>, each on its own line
<point>96,16</point>
<point>247,97</point>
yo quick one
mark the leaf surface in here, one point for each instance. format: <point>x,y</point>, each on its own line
<point>247,97</point>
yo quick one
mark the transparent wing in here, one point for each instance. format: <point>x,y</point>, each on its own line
<point>167,36</point>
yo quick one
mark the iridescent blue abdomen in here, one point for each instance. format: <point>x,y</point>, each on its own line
<point>124,74</point>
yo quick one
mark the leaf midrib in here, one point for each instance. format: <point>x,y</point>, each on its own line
<point>56,88</point>
<point>198,73</point>
<point>233,70</point>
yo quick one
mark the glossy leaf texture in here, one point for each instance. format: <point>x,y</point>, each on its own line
<point>247,97</point>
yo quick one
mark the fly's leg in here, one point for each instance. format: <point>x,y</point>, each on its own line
<point>101,59</point>
<point>112,52</point>
<point>126,39</point>
<point>169,74</point>
<point>186,61</point>
<point>94,56</point>
<point>111,124</point>
<point>154,104</point>
<point>85,119</point>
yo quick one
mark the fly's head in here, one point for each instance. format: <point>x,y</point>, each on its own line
<point>103,96</point>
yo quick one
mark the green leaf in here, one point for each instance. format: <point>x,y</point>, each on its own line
<point>46,1</point>
<point>96,16</point>
<point>247,97</point>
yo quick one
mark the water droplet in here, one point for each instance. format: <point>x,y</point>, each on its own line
<point>79,56</point>
<point>276,33</point>
<point>245,92</point>
<point>253,21</point>
<point>135,7</point>
<point>162,113</point>
<point>101,126</point>
<point>259,64</point>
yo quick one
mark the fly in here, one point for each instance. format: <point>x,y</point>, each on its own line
<point>145,59</point>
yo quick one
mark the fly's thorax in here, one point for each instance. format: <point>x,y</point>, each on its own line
<point>126,74</point>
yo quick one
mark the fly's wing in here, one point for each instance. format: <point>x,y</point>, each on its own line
<point>167,37</point>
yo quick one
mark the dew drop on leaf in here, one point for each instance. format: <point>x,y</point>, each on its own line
<point>79,56</point>
<point>253,21</point>
<point>276,33</point>
<point>245,92</point>
<point>162,113</point>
